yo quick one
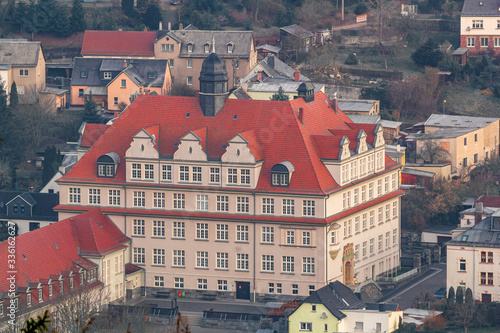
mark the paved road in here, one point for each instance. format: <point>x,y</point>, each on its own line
<point>431,281</point>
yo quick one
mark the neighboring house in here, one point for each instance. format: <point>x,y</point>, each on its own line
<point>472,260</point>
<point>118,44</point>
<point>440,170</point>
<point>255,197</point>
<point>483,207</point>
<point>479,24</point>
<point>267,76</point>
<point>391,130</point>
<point>22,62</point>
<point>53,98</point>
<point>29,211</point>
<point>81,254</point>
<point>116,82</point>
<point>361,118</point>
<point>335,308</point>
<point>466,141</point>
<point>359,106</point>
<point>417,178</point>
<point>294,38</point>
<point>266,49</point>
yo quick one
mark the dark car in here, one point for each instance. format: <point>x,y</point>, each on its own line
<point>441,293</point>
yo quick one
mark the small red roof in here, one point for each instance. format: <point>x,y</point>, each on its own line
<point>54,249</point>
<point>491,201</point>
<point>118,43</point>
<point>91,133</point>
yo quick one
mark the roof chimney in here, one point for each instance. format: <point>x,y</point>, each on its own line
<point>296,76</point>
<point>181,26</point>
<point>160,25</point>
<point>335,103</point>
<point>146,92</point>
<point>270,60</point>
<point>478,216</point>
<point>145,29</point>
<point>169,26</point>
<point>124,63</point>
<point>301,115</point>
<point>115,115</point>
<point>259,76</point>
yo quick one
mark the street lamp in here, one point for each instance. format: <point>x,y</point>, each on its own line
<point>444,107</point>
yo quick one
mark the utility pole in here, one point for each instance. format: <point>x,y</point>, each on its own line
<point>444,107</point>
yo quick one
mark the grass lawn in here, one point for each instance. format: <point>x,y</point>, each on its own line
<point>466,100</point>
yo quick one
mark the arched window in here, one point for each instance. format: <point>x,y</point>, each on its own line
<point>107,164</point>
<point>281,174</point>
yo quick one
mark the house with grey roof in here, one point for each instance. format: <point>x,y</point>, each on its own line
<point>186,50</point>
<point>472,260</point>
<point>267,76</point>
<point>114,83</point>
<point>479,26</point>
<point>335,308</point>
<point>359,106</point>
<point>294,38</point>
<point>22,62</point>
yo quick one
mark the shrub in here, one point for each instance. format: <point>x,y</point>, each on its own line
<point>351,59</point>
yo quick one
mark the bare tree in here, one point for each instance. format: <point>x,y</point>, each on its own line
<point>431,151</point>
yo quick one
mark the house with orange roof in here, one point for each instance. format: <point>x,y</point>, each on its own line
<point>255,197</point>
<point>86,253</point>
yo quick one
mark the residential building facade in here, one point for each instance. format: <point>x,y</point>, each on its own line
<point>472,260</point>
<point>479,24</point>
<point>254,197</point>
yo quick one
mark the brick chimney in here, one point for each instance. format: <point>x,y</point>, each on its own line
<point>296,76</point>
<point>259,76</point>
<point>160,25</point>
<point>301,115</point>
<point>181,26</point>
<point>478,216</point>
<point>124,63</point>
<point>115,115</point>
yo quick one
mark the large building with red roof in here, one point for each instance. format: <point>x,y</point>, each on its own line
<point>243,197</point>
<point>51,264</point>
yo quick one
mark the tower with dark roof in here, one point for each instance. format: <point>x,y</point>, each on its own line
<point>213,85</point>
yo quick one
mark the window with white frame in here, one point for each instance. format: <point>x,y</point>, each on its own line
<point>484,41</point>
<point>149,171</point>
<point>232,176</point>
<point>308,265</point>
<point>201,230</point>
<point>295,289</point>
<point>496,41</point>
<point>28,299</point>
<point>178,258</point>
<point>306,238</point>
<point>372,222</point>
<point>380,215</point>
<point>245,176</point>
<point>202,202</point>
<point>166,173</point>
<point>201,259</point>
<point>387,212</point>
<point>178,282</point>
<point>159,281</point>
<point>136,171</point>
<point>222,232</point>
<point>270,287</point>
<point>363,193</point>
<point>356,224</point>
<point>222,203</point>
<point>222,260</point>
<point>202,284</point>
<point>379,187</point>
<point>197,174</point>
<point>372,241</point>
<point>158,228</point>
<point>477,24</point>
<point>334,238</point>
<point>179,201</point>
<point>222,285</point>
<point>267,206</point>
<point>267,234</point>
<point>386,184</point>
<point>288,207</point>
<point>290,237</point>
<point>159,257</point>
<point>288,264</point>
<point>139,227</point>
<point>190,63</point>
<point>167,47</point>
<point>23,72</point>
<point>370,191</point>
<point>363,221</point>
<point>242,233</point>
<point>94,196</point>
<point>387,240</point>
<point>364,250</point>
<point>242,204</point>
<point>215,175</point>
<point>462,265</point>
<point>178,230</point>
<point>189,80</point>
<point>159,200</point>
<point>394,209</point>
<point>74,195</point>
<point>471,41</point>
<point>184,173</point>
<point>306,326</point>
<point>267,263</point>
<point>139,255</point>
<point>139,199</point>
<point>308,208</point>
<point>379,243</point>
<point>190,49</point>
<point>114,197</point>
<point>394,236</point>
<point>242,261</point>
<point>355,197</point>
<point>394,182</point>
<point>356,252</point>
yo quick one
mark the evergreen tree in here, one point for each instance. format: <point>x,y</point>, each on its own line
<point>128,7</point>
<point>77,20</point>
<point>427,54</point>
<point>469,299</point>
<point>152,16</point>
<point>45,15</point>
<point>61,26</point>
<point>51,162</point>
<point>280,95</point>
<point>5,120</point>
<point>90,114</point>
<point>451,295</point>
<point>460,295</point>
<point>14,99</point>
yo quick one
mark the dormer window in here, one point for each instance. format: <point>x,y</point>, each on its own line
<point>51,290</point>
<point>230,48</point>
<point>190,47</point>
<point>107,164</point>
<point>152,75</point>
<point>281,174</point>
<point>61,286</point>
<point>40,295</point>
<point>207,48</point>
<point>28,299</point>
<point>83,74</point>
<point>107,75</point>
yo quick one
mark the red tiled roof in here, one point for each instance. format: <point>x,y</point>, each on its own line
<point>92,133</point>
<point>277,135</point>
<point>129,269</point>
<point>53,249</point>
<point>118,43</point>
<point>492,201</point>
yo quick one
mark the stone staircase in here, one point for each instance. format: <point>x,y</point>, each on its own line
<point>193,318</point>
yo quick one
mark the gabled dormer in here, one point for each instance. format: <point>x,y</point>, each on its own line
<point>345,152</point>
<point>362,144</point>
<point>141,154</point>
<point>238,151</point>
<point>191,147</point>
<point>143,145</point>
<point>378,140</point>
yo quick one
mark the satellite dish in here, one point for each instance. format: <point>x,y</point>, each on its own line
<point>323,315</point>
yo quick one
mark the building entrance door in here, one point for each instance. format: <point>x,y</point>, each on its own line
<point>242,290</point>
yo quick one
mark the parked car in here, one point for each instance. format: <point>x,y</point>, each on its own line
<point>441,293</point>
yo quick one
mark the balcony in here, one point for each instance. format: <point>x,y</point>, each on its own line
<point>334,250</point>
